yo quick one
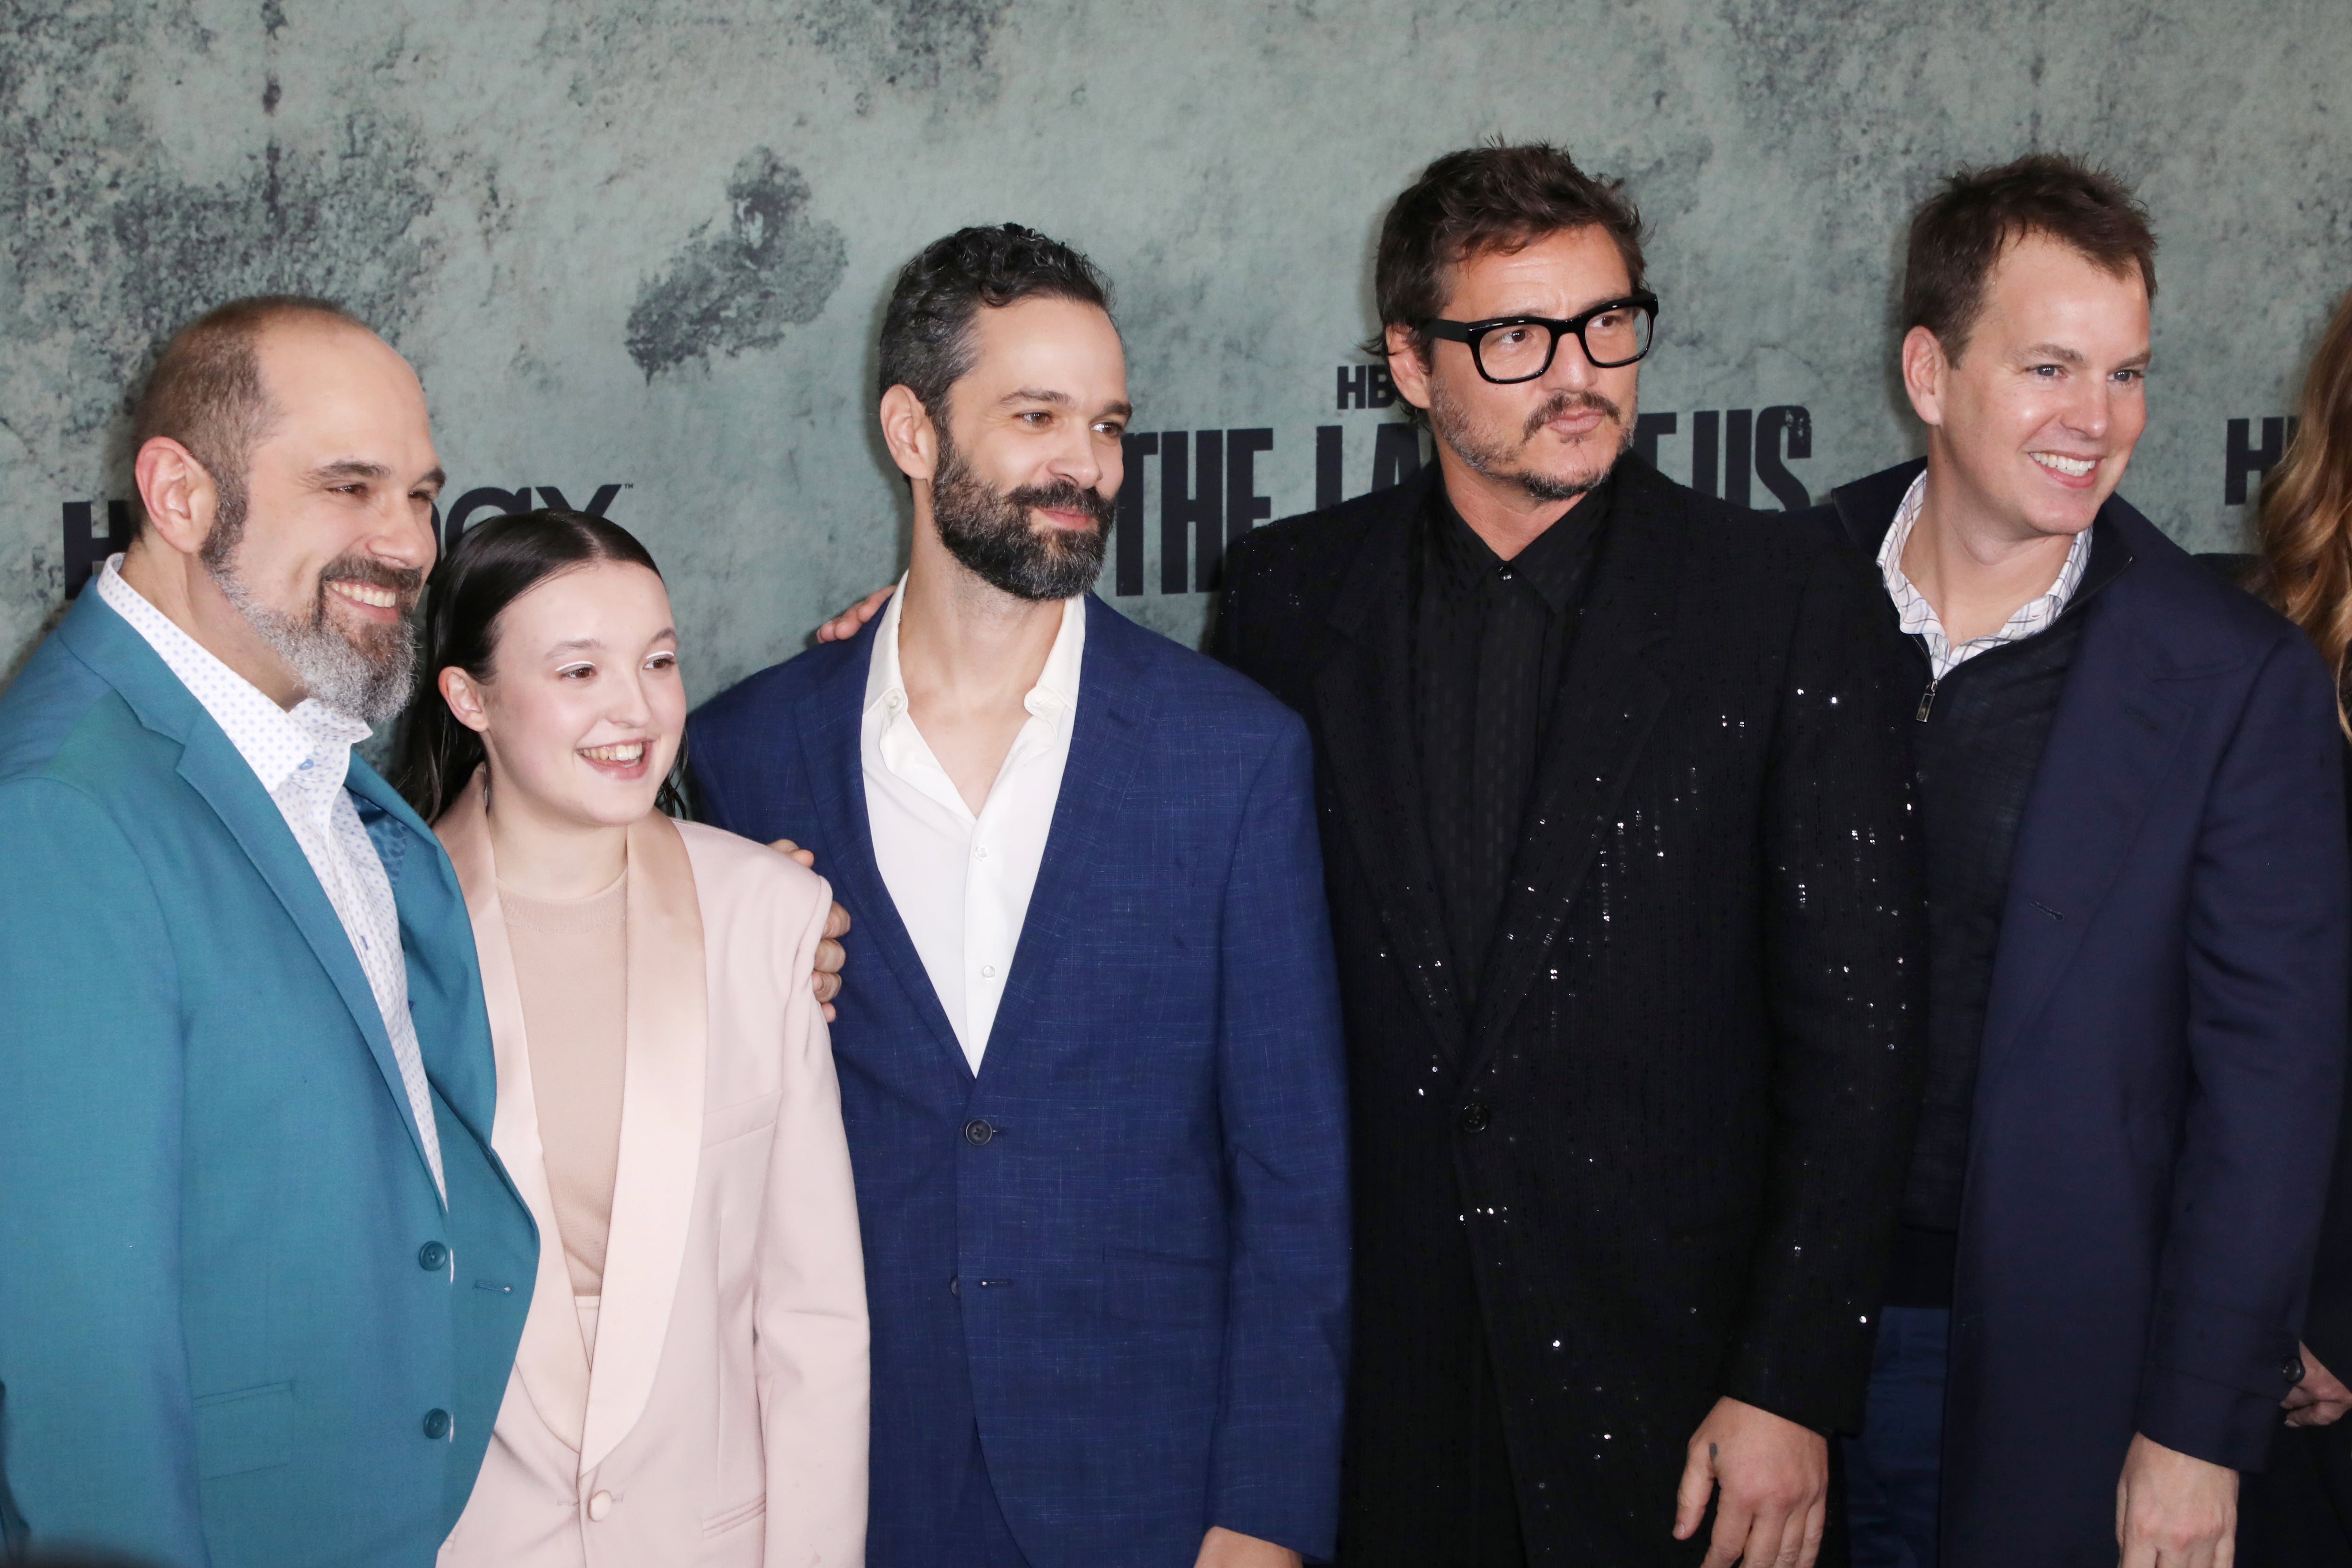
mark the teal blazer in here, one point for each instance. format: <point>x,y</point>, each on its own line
<point>236,1326</point>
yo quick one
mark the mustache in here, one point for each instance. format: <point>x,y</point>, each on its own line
<point>1560,403</point>
<point>1064,495</point>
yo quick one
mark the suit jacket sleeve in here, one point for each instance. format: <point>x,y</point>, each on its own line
<point>2267,957</point>
<point>1846,950</point>
<point>103,1445</point>
<point>810,1325</point>
<point>706,791</point>
<point>1275,1473</point>
<point>1225,632</point>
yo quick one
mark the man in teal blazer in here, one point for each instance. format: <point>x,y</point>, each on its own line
<point>239,1324</point>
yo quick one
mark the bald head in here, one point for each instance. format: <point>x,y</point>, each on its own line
<point>287,481</point>
<point>208,392</point>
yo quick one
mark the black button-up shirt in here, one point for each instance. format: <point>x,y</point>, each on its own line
<point>1490,641</point>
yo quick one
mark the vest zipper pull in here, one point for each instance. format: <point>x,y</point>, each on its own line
<point>1928,700</point>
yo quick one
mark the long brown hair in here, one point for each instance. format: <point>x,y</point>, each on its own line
<point>2305,528</point>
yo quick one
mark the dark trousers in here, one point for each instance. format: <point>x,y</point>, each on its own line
<point>1893,1470</point>
<point>980,1522</point>
<point>2297,1512</point>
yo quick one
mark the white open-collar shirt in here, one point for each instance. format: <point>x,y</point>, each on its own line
<point>1918,617</point>
<point>961,883</point>
<point>302,757</point>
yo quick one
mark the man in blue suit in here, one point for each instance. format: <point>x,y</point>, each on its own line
<point>2129,777</point>
<point>1093,1089</point>
<point>261,1276</point>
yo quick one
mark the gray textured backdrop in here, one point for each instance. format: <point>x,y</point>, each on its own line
<point>645,246</point>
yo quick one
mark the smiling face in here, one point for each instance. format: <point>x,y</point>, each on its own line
<point>2034,423</point>
<point>583,713</point>
<point>1558,435</point>
<point>326,551</point>
<point>1025,471</point>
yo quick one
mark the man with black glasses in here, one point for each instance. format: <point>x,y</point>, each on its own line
<point>1616,821</point>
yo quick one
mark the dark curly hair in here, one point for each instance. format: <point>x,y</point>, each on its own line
<point>927,331</point>
<point>1503,196</point>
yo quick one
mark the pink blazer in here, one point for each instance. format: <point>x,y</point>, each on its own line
<point>725,1421</point>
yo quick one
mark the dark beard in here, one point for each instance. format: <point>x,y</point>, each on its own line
<point>990,531</point>
<point>367,674</point>
<point>1452,426</point>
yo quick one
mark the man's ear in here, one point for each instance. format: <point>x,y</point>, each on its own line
<point>464,696</point>
<point>1406,367</point>
<point>179,499</point>
<point>1925,371</point>
<point>908,431</point>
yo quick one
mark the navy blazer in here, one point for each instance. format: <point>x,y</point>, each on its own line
<point>1121,1252</point>
<point>2163,1054</point>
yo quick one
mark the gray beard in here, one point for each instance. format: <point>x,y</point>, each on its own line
<point>332,670</point>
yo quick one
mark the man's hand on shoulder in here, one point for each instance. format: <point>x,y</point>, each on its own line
<point>847,624</point>
<point>825,979</point>
<point>2174,1511</point>
<point>1222,1548</point>
<point>1775,1477</point>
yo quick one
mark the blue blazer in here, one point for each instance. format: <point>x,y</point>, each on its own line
<point>1120,1254</point>
<point>231,1329</point>
<point>2163,1054</point>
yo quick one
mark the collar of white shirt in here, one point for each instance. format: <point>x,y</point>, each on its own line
<point>274,742</point>
<point>1918,617</point>
<point>1054,696</point>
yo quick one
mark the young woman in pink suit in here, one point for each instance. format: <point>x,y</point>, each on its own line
<point>691,1385</point>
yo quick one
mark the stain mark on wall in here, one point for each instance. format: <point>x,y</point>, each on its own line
<point>335,224</point>
<point>924,45</point>
<point>772,267</point>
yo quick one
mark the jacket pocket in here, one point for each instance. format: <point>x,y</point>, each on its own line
<point>1164,1289</point>
<point>728,1518</point>
<point>1739,1216</point>
<point>744,1116</point>
<point>245,1430</point>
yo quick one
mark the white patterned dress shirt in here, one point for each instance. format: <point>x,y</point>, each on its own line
<point>302,758</point>
<point>1918,617</point>
<point>960,882</point>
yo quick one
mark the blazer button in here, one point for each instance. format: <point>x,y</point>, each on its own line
<point>436,1424</point>
<point>433,1258</point>
<point>599,1506</point>
<point>1475,1117</point>
<point>2292,1369</point>
<point>976,1131</point>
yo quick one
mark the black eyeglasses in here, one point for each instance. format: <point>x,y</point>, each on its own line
<point>1520,348</point>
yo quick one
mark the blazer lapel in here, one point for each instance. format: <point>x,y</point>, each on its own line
<point>830,722</point>
<point>551,1360</point>
<point>2118,730</point>
<point>661,1133</point>
<point>1115,713</point>
<point>1610,695</point>
<point>437,942</point>
<point>1364,701</point>
<point>215,768</point>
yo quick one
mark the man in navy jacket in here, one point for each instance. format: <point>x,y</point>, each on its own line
<point>2131,791</point>
<point>1093,1087</point>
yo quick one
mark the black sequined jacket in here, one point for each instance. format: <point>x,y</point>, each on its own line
<point>1660,1162</point>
